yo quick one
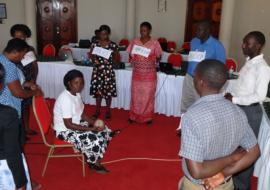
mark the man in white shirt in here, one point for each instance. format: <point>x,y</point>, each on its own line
<point>250,90</point>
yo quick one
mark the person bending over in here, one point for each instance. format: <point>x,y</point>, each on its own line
<point>13,168</point>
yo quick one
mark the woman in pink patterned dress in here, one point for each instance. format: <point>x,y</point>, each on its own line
<point>144,53</point>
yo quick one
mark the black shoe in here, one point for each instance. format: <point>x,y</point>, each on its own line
<point>99,168</point>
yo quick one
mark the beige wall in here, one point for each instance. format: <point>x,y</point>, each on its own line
<point>250,15</point>
<point>93,13</point>
<point>15,14</point>
<point>170,24</point>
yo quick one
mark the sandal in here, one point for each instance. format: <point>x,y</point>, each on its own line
<point>99,168</point>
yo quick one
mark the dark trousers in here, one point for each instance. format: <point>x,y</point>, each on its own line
<point>254,114</point>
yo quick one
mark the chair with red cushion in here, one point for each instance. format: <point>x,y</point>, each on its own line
<point>124,42</point>
<point>163,43</point>
<point>49,50</point>
<point>175,59</point>
<point>44,120</point>
<point>171,46</point>
<point>231,63</point>
<point>162,40</point>
<point>186,46</point>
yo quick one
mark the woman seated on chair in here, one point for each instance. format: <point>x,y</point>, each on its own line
<point>72,124</point>
<point>13,168</point>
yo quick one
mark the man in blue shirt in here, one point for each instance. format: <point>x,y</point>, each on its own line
<point>203,46</point>
<point>13,92</point>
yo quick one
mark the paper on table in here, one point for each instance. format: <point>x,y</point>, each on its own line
<point>139,50</point>
<point>102,52</point>
<point>28,58</point>
<point>196,56</point>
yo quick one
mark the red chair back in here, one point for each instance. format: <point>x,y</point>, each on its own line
<point>171,46</point>
<point>42,114</point>
<point>231,63</point>
<point>162,40</point>
<point>186,46</point>
<point>124,42</point>
<point>175,60</point>
<point>49,50</point>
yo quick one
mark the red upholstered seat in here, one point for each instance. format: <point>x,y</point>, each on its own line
<point>57,141</point>
<point>49,50</point>
<point>175,59</point>
<point>124,42</point>
<point>231,63</point>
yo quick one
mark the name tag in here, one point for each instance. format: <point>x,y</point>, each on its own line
<point>139,50</point>
<point>102,52</point>
<point>196,56</point>
<point>28,58</point>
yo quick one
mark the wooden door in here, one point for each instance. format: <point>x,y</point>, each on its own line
<point>56,22</point>
<point>199,10</point>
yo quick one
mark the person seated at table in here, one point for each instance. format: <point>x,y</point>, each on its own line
<point>95,38</point>
<point>13,168</point>
<point>29,71</point>
<point>72,124</point>
<point>103,82</point>
<point>144,75</point>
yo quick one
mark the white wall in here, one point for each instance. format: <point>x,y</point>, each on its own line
<point>169,24</point>
<point>93,13</point>
<point>250,15</point>
<point>15,15</point>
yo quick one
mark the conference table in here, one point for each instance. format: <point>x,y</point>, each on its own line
<point>168,92</point>
<point>82,54</point>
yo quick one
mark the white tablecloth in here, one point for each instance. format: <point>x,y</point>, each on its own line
<point>168,93</point>
<point>80,54</point>
<point>262,166</point>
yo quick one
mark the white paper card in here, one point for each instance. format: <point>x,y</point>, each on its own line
<point>102,52</point>
<point>196,56</point>
<point>28,58</point>
<point>139,50</point>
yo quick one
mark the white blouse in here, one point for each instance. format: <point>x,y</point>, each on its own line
<point>67,106</point>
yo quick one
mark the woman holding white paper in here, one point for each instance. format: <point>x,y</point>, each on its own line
<point>103,82</point>
<point>144,53</point>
